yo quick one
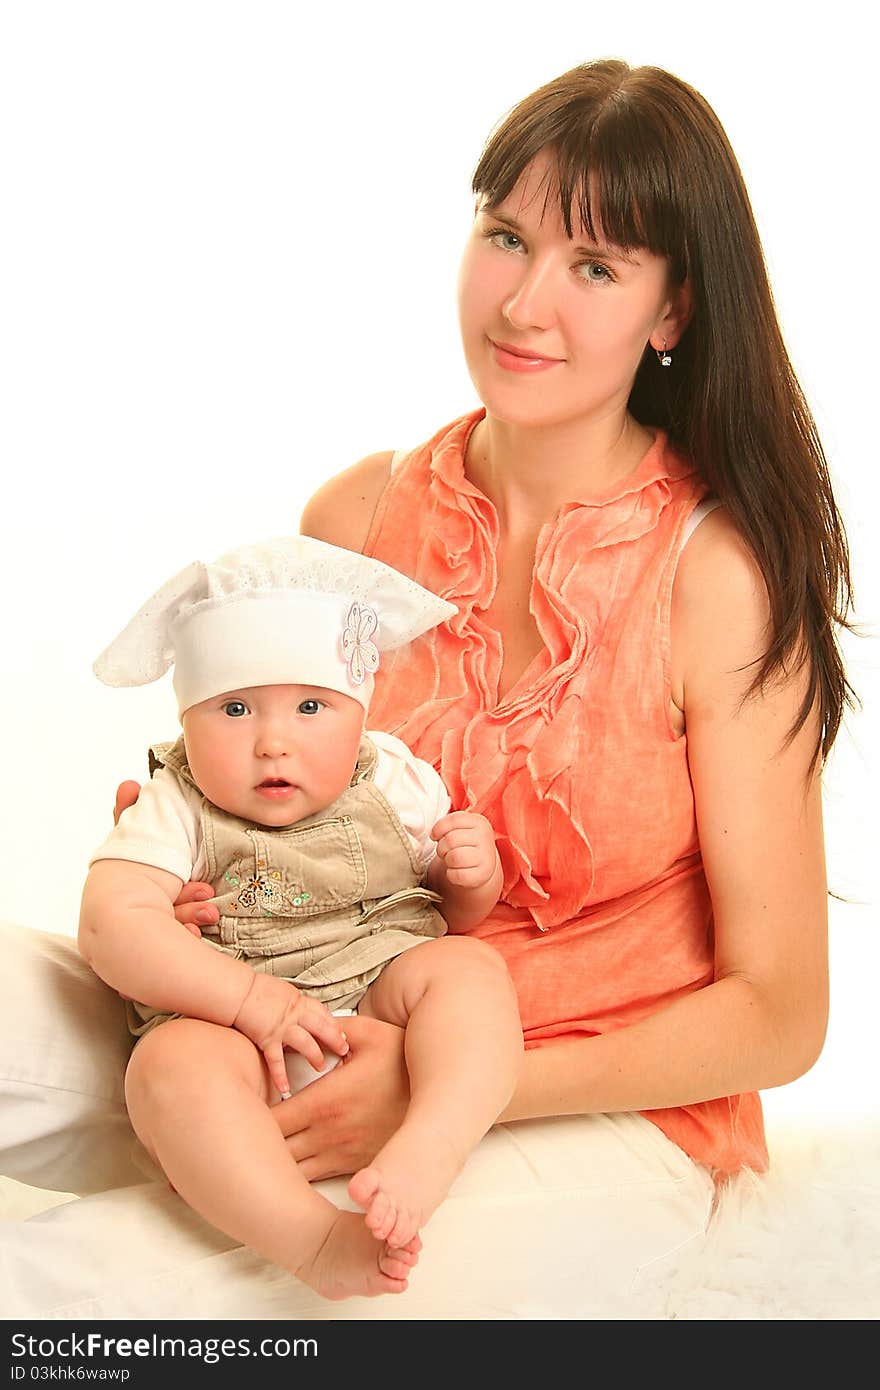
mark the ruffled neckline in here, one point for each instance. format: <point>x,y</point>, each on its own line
<point>464,549</point>
<point>661,462</point>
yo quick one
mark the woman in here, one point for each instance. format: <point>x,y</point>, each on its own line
<point>638,691</point>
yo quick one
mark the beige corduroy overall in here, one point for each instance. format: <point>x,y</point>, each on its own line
<point>324,903</point>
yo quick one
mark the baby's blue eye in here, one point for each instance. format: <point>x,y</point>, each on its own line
<point>308,707</point>
<point>235,708</point>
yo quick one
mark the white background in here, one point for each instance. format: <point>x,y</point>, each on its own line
<point>228,246</point>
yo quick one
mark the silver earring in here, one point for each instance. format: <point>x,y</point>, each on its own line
<point>664,357</point>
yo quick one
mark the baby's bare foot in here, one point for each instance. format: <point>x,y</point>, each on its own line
<point>405,1184</point>
<point>349,1263</point>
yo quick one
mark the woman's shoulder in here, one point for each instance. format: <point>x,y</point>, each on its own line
<point>716,567</point>
<point>720,612</point>
<point>342,509</point>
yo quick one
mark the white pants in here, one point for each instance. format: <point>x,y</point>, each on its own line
<point>555,1218</point>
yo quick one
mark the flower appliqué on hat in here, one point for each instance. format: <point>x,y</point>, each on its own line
<point>361,654</point>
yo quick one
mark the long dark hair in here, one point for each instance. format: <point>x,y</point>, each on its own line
<point>642,154</point>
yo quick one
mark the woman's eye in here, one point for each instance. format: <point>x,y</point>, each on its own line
<point>508,241</point>
<point>595,273</point>
<point>309,707</point>
<point>235,708</point>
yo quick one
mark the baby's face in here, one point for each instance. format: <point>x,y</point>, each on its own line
<point>273,754</point>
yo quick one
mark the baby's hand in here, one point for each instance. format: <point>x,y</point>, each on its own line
<point>466,845</point>
<point>276,1015</point>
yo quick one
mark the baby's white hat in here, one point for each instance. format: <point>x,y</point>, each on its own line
<point>289,611</point>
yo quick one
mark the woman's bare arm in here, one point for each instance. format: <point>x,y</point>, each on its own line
<point>762,1022</point>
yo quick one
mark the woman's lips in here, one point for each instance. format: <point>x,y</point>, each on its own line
<point>516,359</point>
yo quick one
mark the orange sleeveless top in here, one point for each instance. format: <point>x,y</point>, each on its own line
<point>605,914</point>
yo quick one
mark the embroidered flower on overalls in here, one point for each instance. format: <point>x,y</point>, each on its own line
<point>263,891</point>
<point>259,892</point>
<point>361,654</point>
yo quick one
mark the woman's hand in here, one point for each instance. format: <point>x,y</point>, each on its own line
<point>337,1124</point>
<point>190,907</point>
<point>127,794</point>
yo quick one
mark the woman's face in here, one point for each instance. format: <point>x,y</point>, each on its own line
<point>554,328</point>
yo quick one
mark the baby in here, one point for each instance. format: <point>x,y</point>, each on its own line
<point>330,851</point>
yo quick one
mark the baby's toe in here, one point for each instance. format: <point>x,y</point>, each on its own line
<point>405,1255</point>
<point>396,1264</point>
<point>381,1215</point>
<point>403,1230</point>
<point>363,1186</point>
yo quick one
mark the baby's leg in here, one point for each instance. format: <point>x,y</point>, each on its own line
<point>198,1096</point>
<point>464,1048</point>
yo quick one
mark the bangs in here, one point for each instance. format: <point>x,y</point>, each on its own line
<point>609,176</point>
